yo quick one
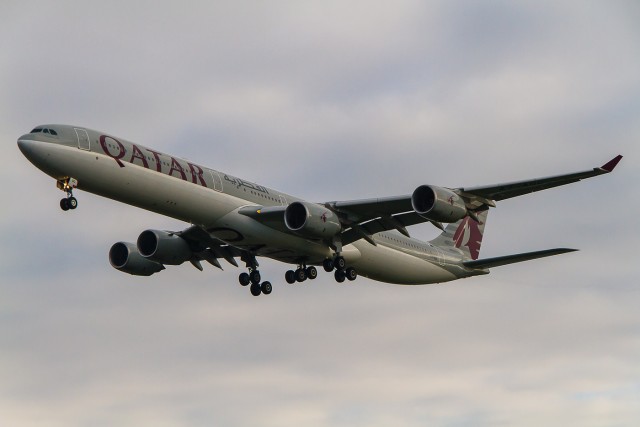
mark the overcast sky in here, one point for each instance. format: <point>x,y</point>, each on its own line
<point>329,100</point>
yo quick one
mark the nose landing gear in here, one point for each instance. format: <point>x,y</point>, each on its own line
<point>67,185</point>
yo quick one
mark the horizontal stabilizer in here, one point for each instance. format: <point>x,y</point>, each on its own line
<point>511,259</point>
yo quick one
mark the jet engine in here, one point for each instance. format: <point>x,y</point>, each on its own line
<point>311,220</point>
<point>163,247</point>
<point>438,204</point>
<point>125,257</point>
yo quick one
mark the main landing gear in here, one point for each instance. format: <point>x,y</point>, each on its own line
<point>301,274</point>
<point>67,185</point>
<point>253,278</point>
<point>342,272</point>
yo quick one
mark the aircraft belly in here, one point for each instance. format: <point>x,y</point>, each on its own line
<point>392,266</point>
<point>245,232</point>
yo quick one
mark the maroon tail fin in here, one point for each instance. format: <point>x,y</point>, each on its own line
<point>464,236</point>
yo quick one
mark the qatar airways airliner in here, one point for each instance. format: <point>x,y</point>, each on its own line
<point>231,218</point>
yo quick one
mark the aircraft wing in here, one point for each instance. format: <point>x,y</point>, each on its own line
<point>370,216</point>
<point>212,249</point>
<point>519,188</point>
<point>363,218</point>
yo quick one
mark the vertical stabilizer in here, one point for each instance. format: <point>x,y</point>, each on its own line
<point>464,235</point>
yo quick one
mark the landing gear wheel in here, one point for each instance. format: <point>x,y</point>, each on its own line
<point>339,263</point>
<point>255,289</point>
<point>64,204</point>
<point>254,276</point>
<point>312,273</point>
<point>327,264</point>
<point>351,274</point>
<point>73,202</point>
<point>266,288</point>
<point>290,276</point>
<point>340,276</point>
<point>244,279</point>
<point>301,275</point>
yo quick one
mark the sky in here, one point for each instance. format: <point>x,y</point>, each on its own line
<point>327,100</point>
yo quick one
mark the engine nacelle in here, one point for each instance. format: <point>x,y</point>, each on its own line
<point>438,204</point>
<point>163,247</point>
<point>125,257</point>
<point>311,220</point>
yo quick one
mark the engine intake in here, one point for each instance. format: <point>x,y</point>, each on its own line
<point>125,257</point>
<point>438,204</point>
<point>311,220</point>
<point>163,247</point>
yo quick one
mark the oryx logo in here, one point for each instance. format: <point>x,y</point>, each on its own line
<point>468,234</point>
<point>324,217</point>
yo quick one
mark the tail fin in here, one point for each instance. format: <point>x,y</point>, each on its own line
<point>465,235</point>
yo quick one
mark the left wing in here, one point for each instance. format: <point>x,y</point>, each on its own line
<point>210,248</point>
<point>362,218</point>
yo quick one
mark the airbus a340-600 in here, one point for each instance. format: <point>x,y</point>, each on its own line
<point>232,218</point>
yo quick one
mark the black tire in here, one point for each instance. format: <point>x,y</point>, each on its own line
<point>73,202</point>
<point>266,288</point>
<point>64,204</point>
<point>339,263</point>
<point>244,279</point>
<point>255,289</point>
<point>351,274</point>
<point>312,273</point>
<point>328,265</point>
<point>340,276</point>
<point>301,275</point>
<point>254,276</point>
<point>290,276</point>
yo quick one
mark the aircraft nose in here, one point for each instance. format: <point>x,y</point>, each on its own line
<point>27,146</point>
<point>24,143</point>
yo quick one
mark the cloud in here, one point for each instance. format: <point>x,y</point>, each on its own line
<point>326,101</point>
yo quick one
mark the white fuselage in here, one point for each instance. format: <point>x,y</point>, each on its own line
<point>135,175</point>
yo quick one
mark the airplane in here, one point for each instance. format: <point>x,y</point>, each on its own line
<point>232,218</point>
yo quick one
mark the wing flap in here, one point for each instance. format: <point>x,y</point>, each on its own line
<point>511,259</point>
<point>214,248</point>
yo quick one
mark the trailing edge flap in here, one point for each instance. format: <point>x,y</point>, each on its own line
<point>217,248</point>
<point>511,259</point>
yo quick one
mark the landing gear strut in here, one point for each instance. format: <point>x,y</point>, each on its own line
<point>67,185</point>
<point>253,277</point>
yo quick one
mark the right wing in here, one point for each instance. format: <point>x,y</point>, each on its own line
<point>362,218</point>
<point>513,189</point>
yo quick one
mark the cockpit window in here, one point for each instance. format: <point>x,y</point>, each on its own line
<point>45,130</point>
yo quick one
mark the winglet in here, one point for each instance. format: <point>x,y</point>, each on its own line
<point>611,164</point>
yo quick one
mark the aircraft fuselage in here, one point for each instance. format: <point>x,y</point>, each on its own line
<point>140,176</point>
